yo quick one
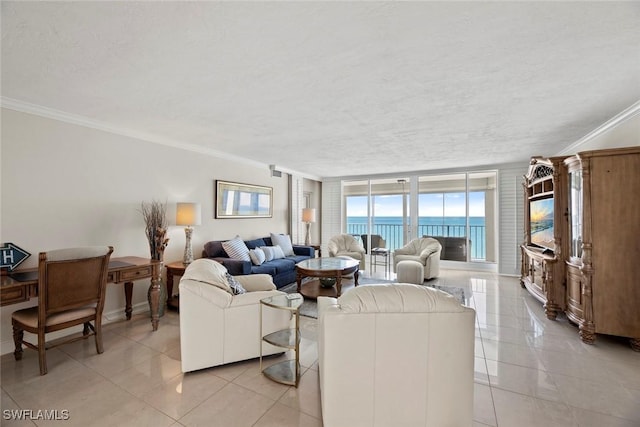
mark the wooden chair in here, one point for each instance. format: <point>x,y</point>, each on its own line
<point>71,291</point>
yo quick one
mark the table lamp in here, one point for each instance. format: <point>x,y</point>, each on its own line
<point>308,216</point>
<point>188,214</point>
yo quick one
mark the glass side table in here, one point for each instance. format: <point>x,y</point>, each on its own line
<point>288,371</point>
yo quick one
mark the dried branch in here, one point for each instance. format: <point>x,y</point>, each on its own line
<point>155,219</point>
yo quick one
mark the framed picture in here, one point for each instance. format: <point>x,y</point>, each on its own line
<point>236,200</point>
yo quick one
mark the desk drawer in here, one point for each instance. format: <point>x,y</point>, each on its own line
<point>14,295</point>
<point>139,273</point>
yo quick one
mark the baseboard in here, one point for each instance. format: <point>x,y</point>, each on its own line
<point>469,266</point>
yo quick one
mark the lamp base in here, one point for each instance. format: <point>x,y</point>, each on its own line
<point>188,252</point>
<point>307,238</point>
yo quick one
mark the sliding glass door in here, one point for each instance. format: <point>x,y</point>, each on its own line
<point>379,208</point>
<point>457,209</point>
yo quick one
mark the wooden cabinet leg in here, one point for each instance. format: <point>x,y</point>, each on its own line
<point>635,344</point>
<point>587,337</point>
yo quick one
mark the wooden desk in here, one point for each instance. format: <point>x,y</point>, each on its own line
<point>18,286</point>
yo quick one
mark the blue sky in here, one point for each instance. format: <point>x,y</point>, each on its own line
<point>430,205</point>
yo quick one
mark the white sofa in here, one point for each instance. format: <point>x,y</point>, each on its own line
<point>217,327</point>
<point>425,250</point>
<point>395,355</point>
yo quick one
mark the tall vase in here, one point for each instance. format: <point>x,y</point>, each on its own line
<point>157,254</point>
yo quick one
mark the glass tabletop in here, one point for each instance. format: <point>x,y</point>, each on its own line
<point>329,264</point>
<point>287,301</point>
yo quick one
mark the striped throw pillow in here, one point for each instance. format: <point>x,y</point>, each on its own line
<point>236,249</point>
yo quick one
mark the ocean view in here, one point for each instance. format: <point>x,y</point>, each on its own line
<point>390,228</point>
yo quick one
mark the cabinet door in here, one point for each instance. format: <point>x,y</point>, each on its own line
<point>575,213</point>
<point>574,294</point>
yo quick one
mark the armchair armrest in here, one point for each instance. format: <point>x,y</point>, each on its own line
<point>256,282</point>
<point>404,251</point>
<point>210,293</point>
<point>352,254</point>
<point>325,304</point>
<point>427,253</point>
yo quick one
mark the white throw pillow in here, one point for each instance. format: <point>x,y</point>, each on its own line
<point>277,252</point>
<point>236,249</point>
<point>257,256</point>
<point>268,252</point>
<point>284,241</point>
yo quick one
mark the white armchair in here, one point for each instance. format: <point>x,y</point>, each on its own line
<point>395,355</point>
<point>425,250</point>
<point>217,327</point>
<point>347,245</point>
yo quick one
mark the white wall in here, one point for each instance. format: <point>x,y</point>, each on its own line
<point>67,185</point>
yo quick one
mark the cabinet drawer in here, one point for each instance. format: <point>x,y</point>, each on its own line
<point>138,273</point>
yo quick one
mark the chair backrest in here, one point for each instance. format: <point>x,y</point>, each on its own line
<point>376,241</point>
<point>422,243</point>
<point>343,242</point>
<point>375,341</point>
<point>72,278</point>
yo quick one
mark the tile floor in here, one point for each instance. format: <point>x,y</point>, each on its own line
<point>530,371</point>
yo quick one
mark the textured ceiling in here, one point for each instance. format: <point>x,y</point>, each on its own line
<point>332,88</point>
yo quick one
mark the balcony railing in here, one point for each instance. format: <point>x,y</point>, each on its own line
<point>393,235</point>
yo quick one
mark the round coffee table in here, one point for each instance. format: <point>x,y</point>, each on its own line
<point>337,268</point>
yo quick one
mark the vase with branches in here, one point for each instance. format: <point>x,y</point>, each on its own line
<point>155,219</point>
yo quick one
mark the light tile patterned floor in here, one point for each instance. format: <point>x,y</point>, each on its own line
<point>530,371</point>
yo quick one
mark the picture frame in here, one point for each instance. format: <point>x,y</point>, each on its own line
<point>238,200</point>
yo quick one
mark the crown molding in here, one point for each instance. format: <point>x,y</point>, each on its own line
<point>63,116</point>
<point>625,115</point>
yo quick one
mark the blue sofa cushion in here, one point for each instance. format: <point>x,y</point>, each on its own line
<point>282,264</point>
<point>297,258</point>
<point>256,243</point>
<point>265,268</point>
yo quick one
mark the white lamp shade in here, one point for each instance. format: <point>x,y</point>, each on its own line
<point>188,214</point>
<point>308,215</point>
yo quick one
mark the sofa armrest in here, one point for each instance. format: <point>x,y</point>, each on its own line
<point>256,282</point>
<point>235,267</point>
<point>252,298</point>
<point>304,250</point>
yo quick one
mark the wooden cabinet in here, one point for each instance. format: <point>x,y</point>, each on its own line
<point>603,259</point>
<point>542,269</point>
<point>591,266</point>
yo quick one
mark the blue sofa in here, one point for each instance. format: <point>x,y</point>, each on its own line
<point>282,270</point>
